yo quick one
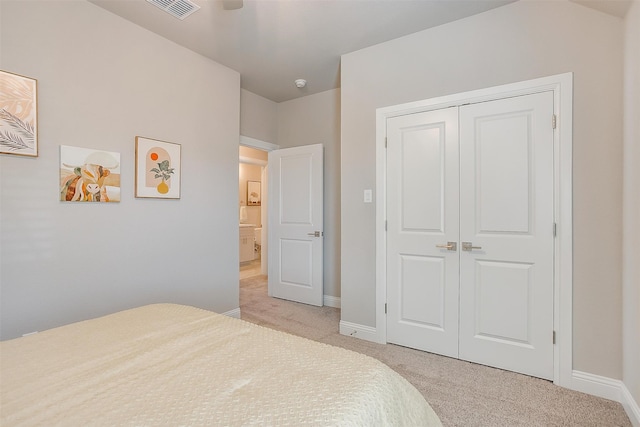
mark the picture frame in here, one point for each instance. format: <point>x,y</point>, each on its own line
<point>18,115</point>
<point>89,175</point>
<point>158,169</point>
<point>254,194</point>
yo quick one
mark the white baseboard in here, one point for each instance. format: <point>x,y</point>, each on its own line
<point>596,385</point>
<point>359,331</point>
<point>630,406</point>
<point>607,388</point>
<point>331,301</point>
<point>233,313</point>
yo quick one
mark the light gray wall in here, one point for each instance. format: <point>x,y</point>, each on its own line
<point>631,224</point>
<point>315,119</point>
<point>517,42</point>
<point>102,81</point>
<point>258,117</point>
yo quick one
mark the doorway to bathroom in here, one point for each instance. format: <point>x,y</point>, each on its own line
<point>252,211</point>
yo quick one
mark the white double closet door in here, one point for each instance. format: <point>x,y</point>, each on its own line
<point>470,232</point>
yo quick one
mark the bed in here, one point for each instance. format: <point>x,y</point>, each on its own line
<point>167,364</point>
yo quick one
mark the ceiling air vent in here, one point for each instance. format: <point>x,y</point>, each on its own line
<point>178,8</point>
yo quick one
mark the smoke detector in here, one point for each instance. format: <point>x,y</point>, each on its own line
<point>177,8</point>
<point>300,83</point>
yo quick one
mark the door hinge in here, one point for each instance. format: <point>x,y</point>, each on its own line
<point>385,142</point>
<point>385,225</point>
<point>554,337</point>
<point>554,121</point>
<point>555,229</point>
<point>385,308</point>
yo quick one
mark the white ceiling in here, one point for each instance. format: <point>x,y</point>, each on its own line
<point>273,42</point>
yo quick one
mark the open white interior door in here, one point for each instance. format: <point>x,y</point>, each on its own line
<point>296,224</point>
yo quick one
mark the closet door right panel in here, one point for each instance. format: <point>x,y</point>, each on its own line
<point>506,234</point>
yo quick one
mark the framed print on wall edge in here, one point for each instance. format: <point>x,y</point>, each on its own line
<point>18,115</point>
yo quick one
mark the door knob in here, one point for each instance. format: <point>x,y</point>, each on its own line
<point>314,234</point>
<point>450,246</point>
<point>468,246</point>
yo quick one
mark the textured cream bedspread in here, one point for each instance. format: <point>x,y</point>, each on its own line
<point>169,364</point>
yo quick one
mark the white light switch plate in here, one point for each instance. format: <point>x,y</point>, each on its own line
<point>368,196</point>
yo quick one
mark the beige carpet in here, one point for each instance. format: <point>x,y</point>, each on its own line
<point>461,393</point>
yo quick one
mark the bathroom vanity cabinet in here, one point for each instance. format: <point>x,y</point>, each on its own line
<point>246,243</point>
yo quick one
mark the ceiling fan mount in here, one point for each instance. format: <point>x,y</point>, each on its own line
<point>232,4</point>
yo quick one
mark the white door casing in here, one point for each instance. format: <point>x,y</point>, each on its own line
<point>507,216</point>
<point>296,224</point>
<point>422,216</point>
<point>504,264</point>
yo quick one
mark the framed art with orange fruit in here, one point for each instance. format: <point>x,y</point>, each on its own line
<point>157,168</point>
